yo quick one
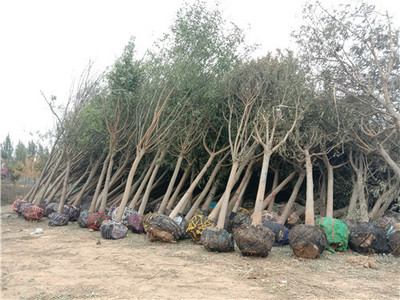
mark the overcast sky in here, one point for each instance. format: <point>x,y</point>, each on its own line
<point>45,44</point>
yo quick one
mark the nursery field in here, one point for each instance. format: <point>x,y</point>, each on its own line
<point>73,263</point>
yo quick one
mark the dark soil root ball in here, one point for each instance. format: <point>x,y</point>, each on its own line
<point>51,208</point>
<point>135,223</point>
<point>254,240</point>
<point>96,219</point>
<point>183,224</point>
<point>367,238</point>
<point>33,213</point>
<point>196,226</point>
<point>215,239</point>
<point>113,230</point>
<point>280,231</point>
<point>72,211</point>
<point>83,219</point>
<point>307,241</point>
<point>394,239</point>
<point>386,222</point>
<point>239,220</point>
<point>17,203</point>
<point>163,228</point>
<point>56,219</point>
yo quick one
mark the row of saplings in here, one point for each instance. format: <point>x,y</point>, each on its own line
<point>306,241</point>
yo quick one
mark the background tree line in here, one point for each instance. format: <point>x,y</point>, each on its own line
<point>22,162</point>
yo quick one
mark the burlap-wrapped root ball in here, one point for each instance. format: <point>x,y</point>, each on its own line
<point>17,203</point>
<point>239,220</point>
<point>393,237</point>
<point>127,212</point>
<point>135,222</point>
<point>22,206</point>
<point>254,240</point>
<point>56,219</point>
<point>216,239</point>
<point>162,228</point>
<point>280,231</point>
<point>96,219</point>
<point>307,241</point>
<point>51,208</point>
<point>83,219</point>
<point>368,238</point>
<point>113,230</point>
<point>196,226</point>
<point>337,233</point>
<point>33,213</point>
<point>183,224</point>
<point>72,211</point>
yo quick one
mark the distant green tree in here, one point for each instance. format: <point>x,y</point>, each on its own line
<point>20,152</point>
<point>7,149</point>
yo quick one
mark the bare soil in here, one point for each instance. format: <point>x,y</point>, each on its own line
<point>73,263</point>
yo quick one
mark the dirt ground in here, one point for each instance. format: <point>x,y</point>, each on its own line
<point>73,263</point>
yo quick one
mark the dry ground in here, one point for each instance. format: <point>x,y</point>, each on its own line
<point>68,263</point>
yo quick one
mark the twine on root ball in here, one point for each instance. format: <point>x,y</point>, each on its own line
<point>337,233</point>
<point>33,213</point>
<point>162,228</point>
<point>307,241</point>
<point>216,239</point>
<point>254,240</point>
<point>196,226</point>
<point>113,230</point>
<point>393,236</point>
<point>368,238</point>
<point>280,231</point>
<point>83,219</point>
<point>56,219</point>
<point>95,220</point>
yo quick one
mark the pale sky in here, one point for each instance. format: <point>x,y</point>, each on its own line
<point>45,44</point>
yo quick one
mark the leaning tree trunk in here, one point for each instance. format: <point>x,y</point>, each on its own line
<point>274,185</point>
<point>285,214</point>
<point>205,190</point>
<point>65,185</point>
<point>139,191</point>
<point>99,184</point>
<point>373,214</point>
<point>278,189</point>
<point>150,183</point>
<point>128,186</point>
<point>171,184</point>
<point>92,173</point>
<point>178,189</point>
<point>40,196</point>
<point>192,186</point>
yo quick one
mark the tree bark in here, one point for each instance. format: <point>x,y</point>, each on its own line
<point>285,214</point>
<point>309,220</point>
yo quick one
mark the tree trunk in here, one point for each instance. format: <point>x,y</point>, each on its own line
<point>107,182</point>
<point>99,184</point>
<point>40,196</point>
<point>205,189</point>
<point>226,196</point>
<point>138,193</point>
<point>285,214</point>
<point>210,196</point>
<point>322,194</point>
<point>354,196</point>
<point>329,191</point>
<point>128,185</point>
<point>92,173</point>
<point>373,214</point>
<point>395,167</point>
<point>274,185</point>
<point>171,184</point>
<point>237,198</point>
<point>65,184</point>
<point>150,183</point>
<point>309,220</point>
<point>178,189</point>
<point>192,186</point>
<point>278,189</point>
